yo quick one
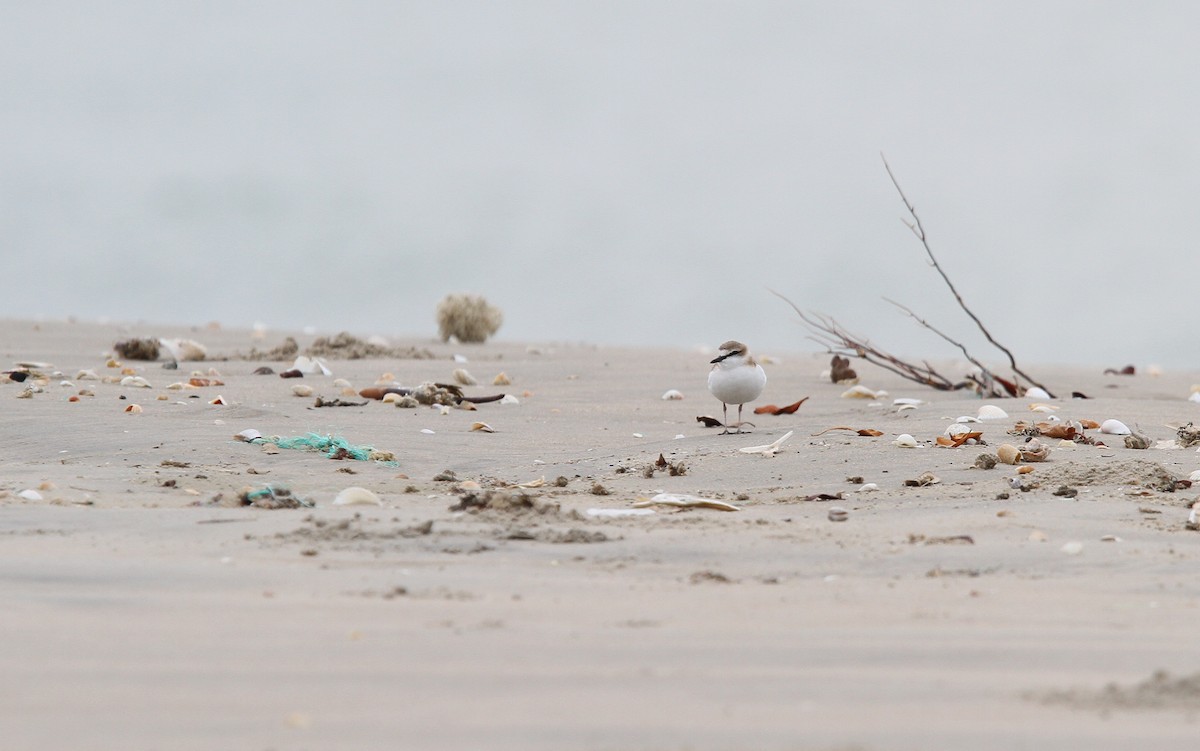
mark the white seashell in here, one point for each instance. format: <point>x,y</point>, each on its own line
<point>957,428</point>
<point>1066,444</point>
<point>1195,476</point>
<point>859,392</point>
<point>967,418</point>
<point>838,514</point>
<point>342,383</point>
<point>248,435</point>
<point>1195,397</point>
<point>427,431</point>
<point>356,496</point>
<point>443,409</point>
<point>905,407</point>
<point>482,427</point>
<point>1040,407</point>
<point>1036,392</point>
<point>907,401</point>
<point>533,483</point>
<point>510,399</point>
<point>30,495</point>
<point>463,377</point>
<point>135,382</point>
<point>134,409</point>
<point>868,487</point>
<point>606,513</point>
<point>991,412</point>
<point>680,500</point>
<point>905,441</point>
<point>1115,427</point>
<point>391,397</point>
<point>183,350</point>
<point>302,389</point>
<point>639,435</point>
<point>1154,370</point>
<point>460,358</point>
<point>770,449</point>
<point>87,375</point>
<point>672,395</point>
<point>308,365</point>
<point>1073,548</point>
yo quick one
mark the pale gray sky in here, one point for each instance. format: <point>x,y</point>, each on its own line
<point>615,172</point>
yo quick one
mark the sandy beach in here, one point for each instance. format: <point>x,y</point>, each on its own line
<point>146,607</point>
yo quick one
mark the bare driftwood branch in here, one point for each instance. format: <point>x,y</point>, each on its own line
<point>918,229</point>
<point>838,340</point>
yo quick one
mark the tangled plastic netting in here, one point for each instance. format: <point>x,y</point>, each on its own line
<point>335,447</point>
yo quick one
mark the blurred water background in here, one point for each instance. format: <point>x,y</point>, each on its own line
<point>610,172</point>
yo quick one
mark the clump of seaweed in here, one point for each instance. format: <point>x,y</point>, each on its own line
<point>468,318</point>
<point>137,349</point>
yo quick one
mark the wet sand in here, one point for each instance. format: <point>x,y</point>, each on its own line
<point>145,608</point>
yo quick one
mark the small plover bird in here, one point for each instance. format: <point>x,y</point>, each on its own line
<point>735,379</point>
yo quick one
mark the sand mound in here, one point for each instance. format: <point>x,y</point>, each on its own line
<point>1139,472</point>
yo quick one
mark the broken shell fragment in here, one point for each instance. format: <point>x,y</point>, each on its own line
<point>136,382</point>
<point>356,496</point>
<point>1008,453</point>
<point>218,400</point>
<point>247,435</point>
<point>991,412</point>
<point>1114,427</point>
<point>134,409</point>
<point>501,379</point>
<point>672,395</point>
<point>770,449</point>
<point>1035,451</point>
<point>1042,407</point>
<point>861,392</point>
<point>482,427</point>
<point>463,377</point>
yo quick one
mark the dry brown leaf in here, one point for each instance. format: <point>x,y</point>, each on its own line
<point>840,370</point>
<point>708,422</point>
<point>958,440</point>
<point>771,409</point>
<point>869,432</point>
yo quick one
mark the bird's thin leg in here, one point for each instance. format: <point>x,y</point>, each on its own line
<point>725,418</point>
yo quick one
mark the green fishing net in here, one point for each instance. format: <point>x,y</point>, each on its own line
<point>335,447</point>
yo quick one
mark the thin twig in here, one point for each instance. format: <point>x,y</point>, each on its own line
<point>988,375</point>
<point>919,230</point>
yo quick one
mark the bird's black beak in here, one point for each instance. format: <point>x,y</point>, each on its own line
<point>716,360</point>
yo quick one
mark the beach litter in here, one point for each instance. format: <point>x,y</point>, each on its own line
<point>335,447</point>
<point>271,497</point>
<point>684,501</point>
